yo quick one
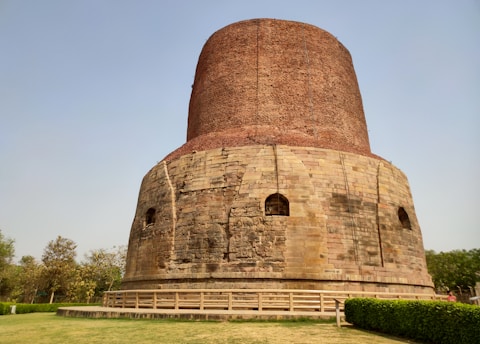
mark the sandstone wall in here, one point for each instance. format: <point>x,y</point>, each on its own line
<point>343,231</point>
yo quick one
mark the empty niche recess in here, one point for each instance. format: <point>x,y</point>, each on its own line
<point>149,217</point>
<point>404,219</point>
<point>277,204</point>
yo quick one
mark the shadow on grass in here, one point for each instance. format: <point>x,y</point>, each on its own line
<point>286,322</point>
<point>380,334</point>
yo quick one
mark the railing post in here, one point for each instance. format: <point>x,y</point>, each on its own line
<point>230,298</point>
<point>136,299</point>
<point>291,301</point>
<point>337,311</point>
<point>176,300</point>
<point>202,300</point>
<point>260,301</point>
<point>154,300</point>
<point>322,303</point>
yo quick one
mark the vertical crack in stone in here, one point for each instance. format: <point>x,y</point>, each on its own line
<point>174,211</point>
<point>350,210</point>
<point>309,85</point>
<point>377,215</point>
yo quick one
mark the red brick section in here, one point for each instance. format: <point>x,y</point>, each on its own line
<point>267,81</point>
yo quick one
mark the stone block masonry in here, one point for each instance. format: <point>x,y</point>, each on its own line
<point>343,226</point>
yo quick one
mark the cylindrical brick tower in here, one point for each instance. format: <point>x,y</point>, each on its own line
<point>276,185</point>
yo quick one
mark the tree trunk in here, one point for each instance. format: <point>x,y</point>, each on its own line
<point>34,294</point>
<point>51,296</point>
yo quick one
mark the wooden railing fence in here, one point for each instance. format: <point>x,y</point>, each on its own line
<point>244,299</point>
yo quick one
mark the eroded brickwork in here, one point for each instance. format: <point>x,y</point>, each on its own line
<point>271,81</point>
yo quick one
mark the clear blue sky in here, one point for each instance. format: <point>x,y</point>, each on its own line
<point>94,93</point>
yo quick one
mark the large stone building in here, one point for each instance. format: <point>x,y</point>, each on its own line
<point>276,186</point>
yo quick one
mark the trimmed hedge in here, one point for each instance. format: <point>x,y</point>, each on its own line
<point>426,321</point>
<point>22,308</point>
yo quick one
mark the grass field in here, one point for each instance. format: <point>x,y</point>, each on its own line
<point>49,328</point>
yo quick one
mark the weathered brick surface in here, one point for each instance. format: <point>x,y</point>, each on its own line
<point>271,81</point>
<point>275,108</point>
<point>212,231</point>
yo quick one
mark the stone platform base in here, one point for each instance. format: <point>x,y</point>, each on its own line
<point>189,314</point>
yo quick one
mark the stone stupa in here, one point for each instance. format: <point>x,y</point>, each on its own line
<point>276,186</point>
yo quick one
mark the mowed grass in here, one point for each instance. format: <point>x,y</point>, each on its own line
<point>49,328</point>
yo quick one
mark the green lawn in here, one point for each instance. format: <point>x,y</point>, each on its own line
<point>49,328</point>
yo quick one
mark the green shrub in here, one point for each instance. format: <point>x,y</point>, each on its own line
<point>5,308</point>
<point>23,308</point>
<point>427,321</point>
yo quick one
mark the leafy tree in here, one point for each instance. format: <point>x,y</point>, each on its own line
<point>7,252</point>
<point>454,269</point>
<point>59,261</point>
<point>100,271</point>
<point>30,278</point>
<point>82,287</point>
<point>106,268</point>
<point>59,273</point>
